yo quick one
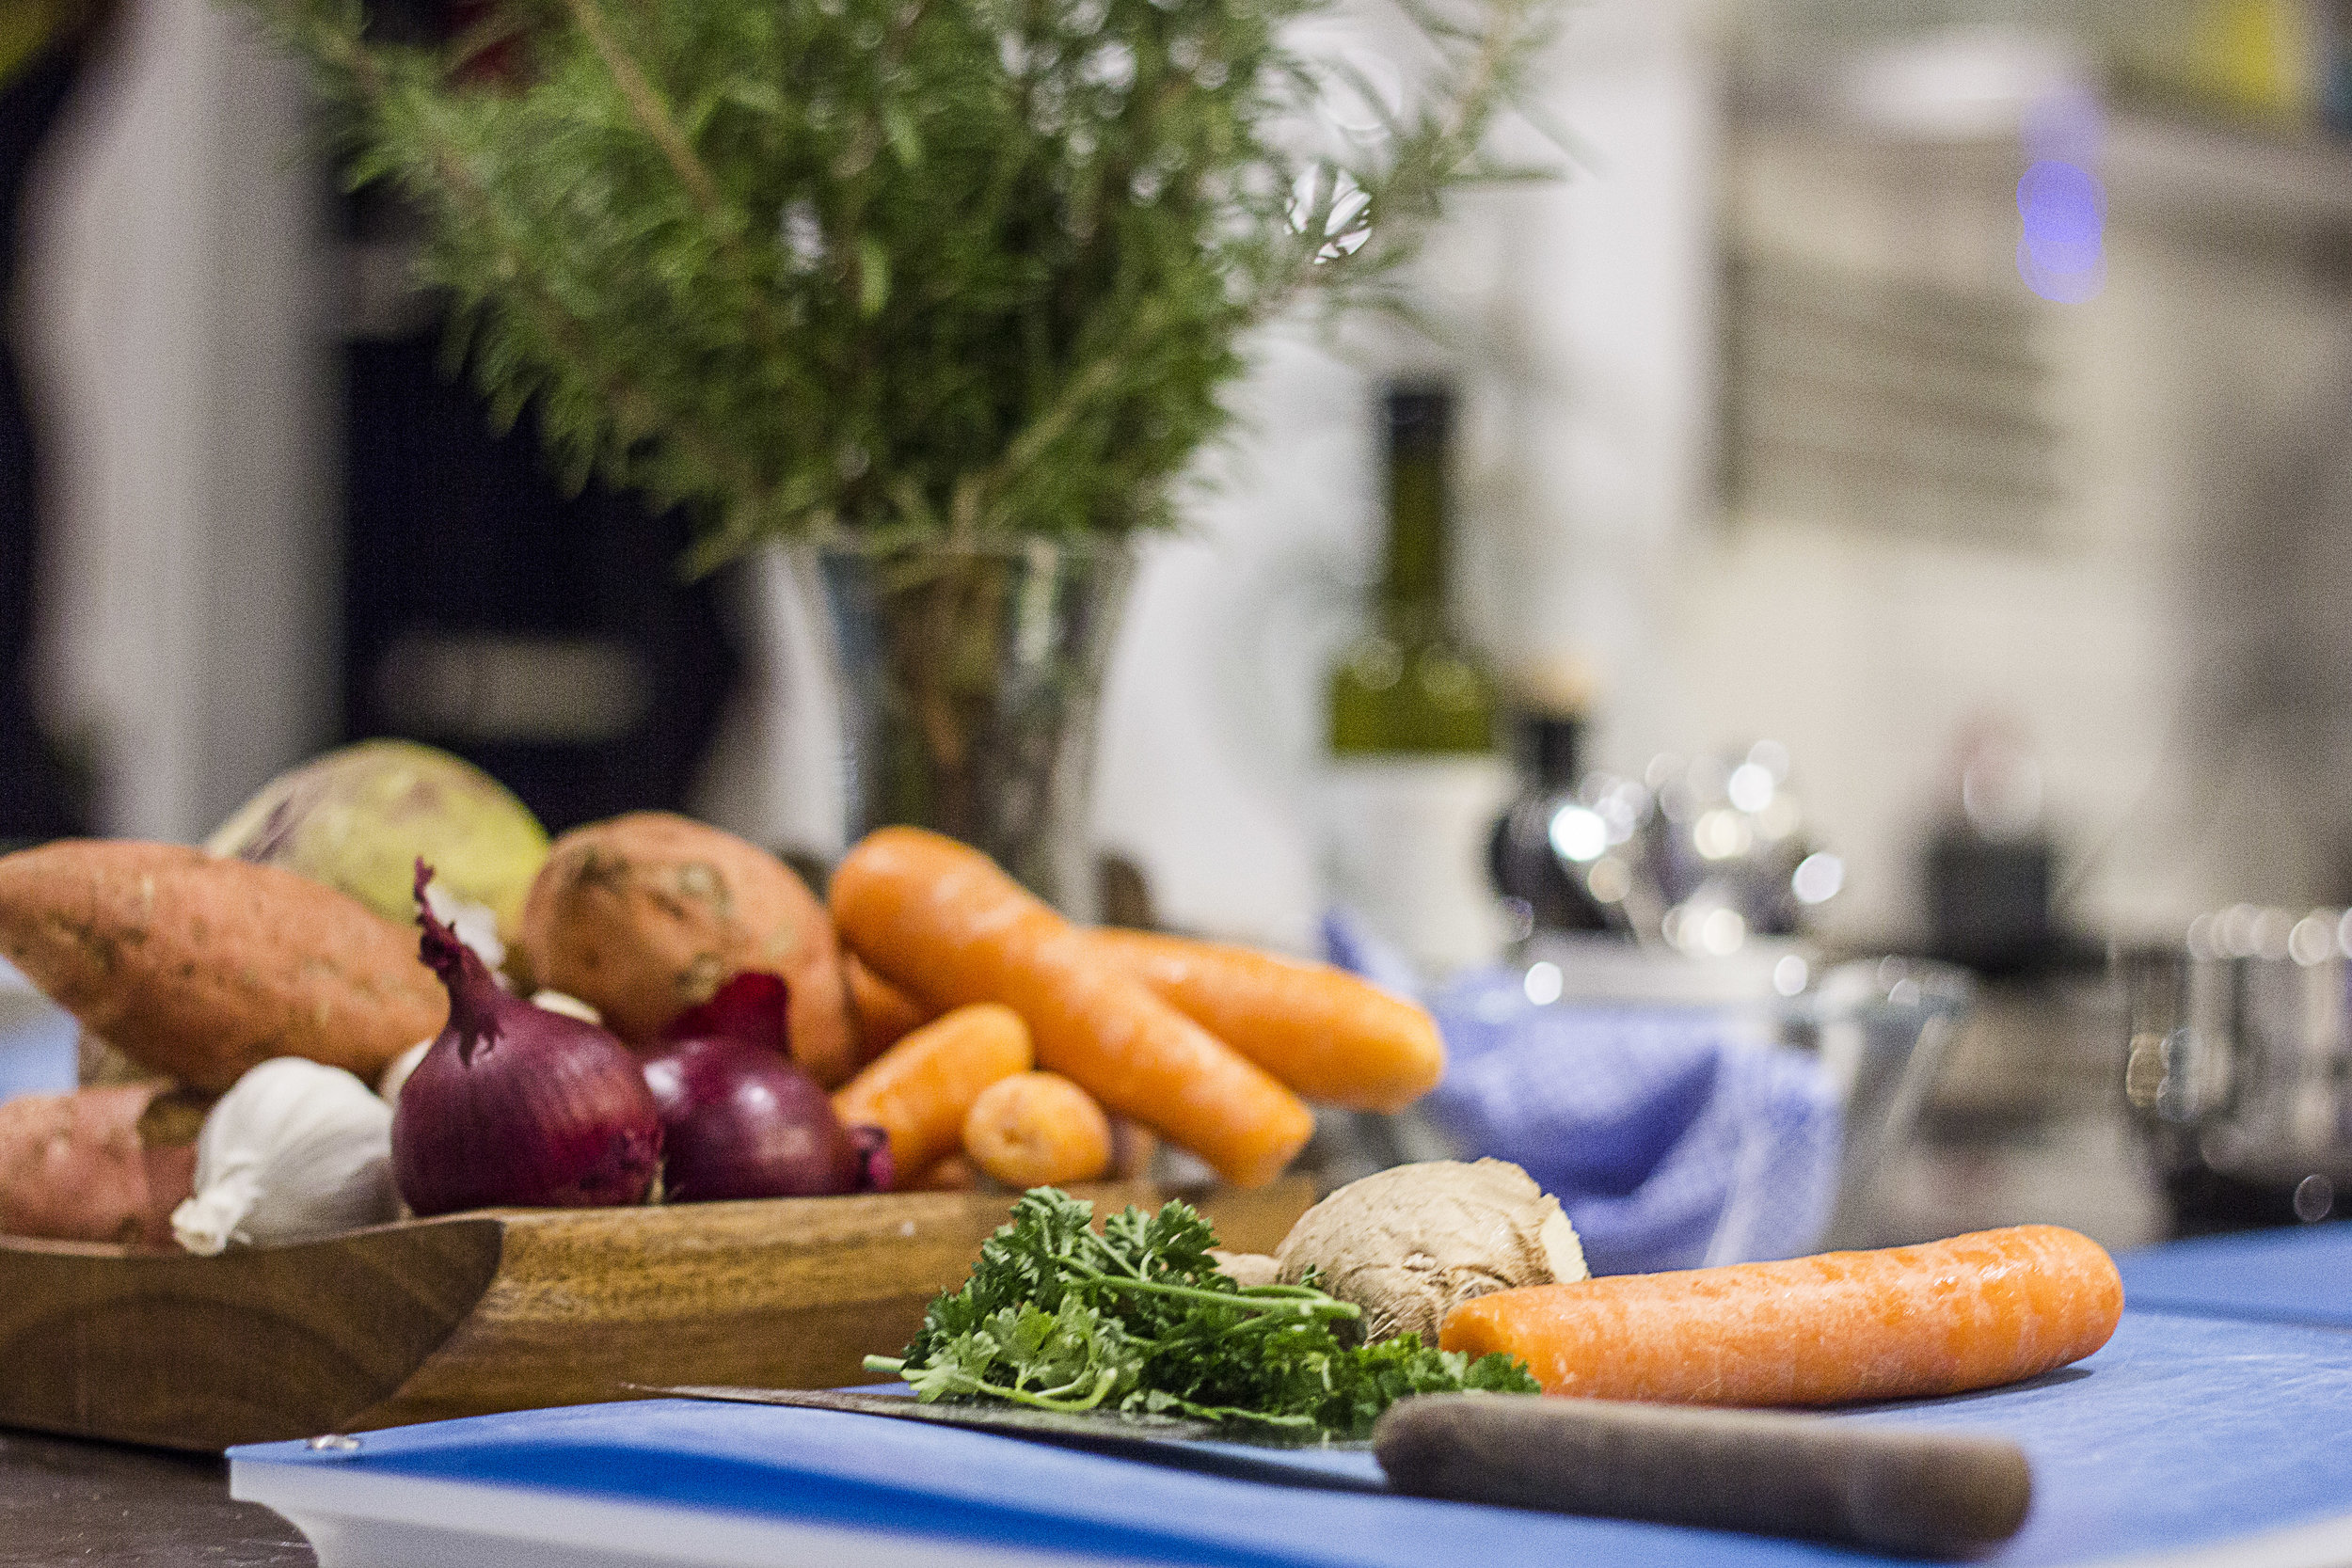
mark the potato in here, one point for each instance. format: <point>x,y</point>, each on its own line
<point>645,915</point>
<point>200,967</point>
<point>73,1167</point>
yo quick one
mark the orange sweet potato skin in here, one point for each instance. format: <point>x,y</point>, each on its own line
<point>645,915</point>
<point>201,967</point>
<point>73,1168</point>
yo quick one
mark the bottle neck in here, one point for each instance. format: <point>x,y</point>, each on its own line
<point>1552,749</point>
<point>1413,582</point>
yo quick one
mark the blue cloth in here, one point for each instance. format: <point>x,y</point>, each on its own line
<point>1674,1137</point>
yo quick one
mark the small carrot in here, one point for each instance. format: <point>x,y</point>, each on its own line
<point>940,921</point>
<point>919,1090</point>
<point>955,1174</point>
<point>1038,1130</point>
<point>1971,1312</point>
<point>1327,1034</point>
<point>1133,1146</point>
<point>884,1014</point>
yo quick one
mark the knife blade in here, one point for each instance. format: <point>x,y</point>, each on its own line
<point>1915,1492</point>
<point>1215,1448</point>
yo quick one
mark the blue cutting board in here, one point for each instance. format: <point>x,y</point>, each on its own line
<point>2291,1276</point>
<point>2184,1433</point>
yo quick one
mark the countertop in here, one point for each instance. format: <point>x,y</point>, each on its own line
<point>65,1501</point>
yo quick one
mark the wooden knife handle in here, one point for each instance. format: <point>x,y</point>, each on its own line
<point>1920,1494</point>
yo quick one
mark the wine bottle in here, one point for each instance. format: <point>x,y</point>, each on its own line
<point>1414,780</point>
<point>1542,848</point>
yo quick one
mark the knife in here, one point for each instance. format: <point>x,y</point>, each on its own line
<point>1228,1450</point>
<point>1917,1494</point>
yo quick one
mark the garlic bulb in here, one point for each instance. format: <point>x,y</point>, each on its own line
<point>294,1149</point>
<point>476,925</point>
<point>570,1007</point>
<point>396,1072</point>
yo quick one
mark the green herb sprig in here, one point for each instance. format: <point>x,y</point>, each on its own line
<point>1138,1319</point>
<point>901,270</point>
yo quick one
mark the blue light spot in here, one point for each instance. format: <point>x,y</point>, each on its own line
<point>2061,256</point>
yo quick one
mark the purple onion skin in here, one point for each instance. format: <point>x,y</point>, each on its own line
<point>739,1120</point>
<point>752,1007</point>
<point>515,1107</point>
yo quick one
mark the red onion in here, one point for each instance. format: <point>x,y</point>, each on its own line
<point>740,1120</point>
<point>515,1105</point>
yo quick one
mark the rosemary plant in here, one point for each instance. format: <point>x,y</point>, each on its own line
<point>899,270</point>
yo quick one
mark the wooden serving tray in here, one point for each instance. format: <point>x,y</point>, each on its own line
<point>504,1309</point>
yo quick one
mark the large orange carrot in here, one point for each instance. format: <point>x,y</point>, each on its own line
<point>941,922</point>
<point>1038,1130</point>
<point>1971,1312</point>
<point>1325,1033</point>
<point>884,1014</point>
<point>920,1089</point>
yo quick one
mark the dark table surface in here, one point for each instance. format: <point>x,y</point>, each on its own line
<point>67,1501</point>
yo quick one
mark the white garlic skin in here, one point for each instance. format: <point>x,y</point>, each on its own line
<point>396,1073</point>
<point>476,926</point>
<point>296,1149</point>
<point>570,1007</point>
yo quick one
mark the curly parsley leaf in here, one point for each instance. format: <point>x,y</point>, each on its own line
<point>1138,1319</point>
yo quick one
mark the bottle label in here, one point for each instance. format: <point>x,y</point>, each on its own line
<point>1405,846</point>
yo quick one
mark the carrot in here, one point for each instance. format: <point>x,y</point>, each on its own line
<point>1133,1146</point>
<point>919,1090</point>
<point>200,967</point>
<point>1325,1033</point>
<point>942,922</point>
<point>1038,1130</point>
<point>955,1174</point>
<point>1970,1312</point>
<point>884,1014</point>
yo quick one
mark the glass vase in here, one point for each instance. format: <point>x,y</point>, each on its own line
<point>969,680</point>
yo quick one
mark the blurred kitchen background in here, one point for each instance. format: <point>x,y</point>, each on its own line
<point>2015,513</point>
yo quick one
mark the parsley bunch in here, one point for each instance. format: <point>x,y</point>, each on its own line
<point>1138,1319</point>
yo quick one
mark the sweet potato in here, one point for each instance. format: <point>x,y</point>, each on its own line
<point>73,1168</point>
<point>643,916</point>
<point>200,967</point>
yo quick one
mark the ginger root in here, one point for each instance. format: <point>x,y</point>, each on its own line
<point>1409,1243</point>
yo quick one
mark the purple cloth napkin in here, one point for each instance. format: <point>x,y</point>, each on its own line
<point>1675,1137</point>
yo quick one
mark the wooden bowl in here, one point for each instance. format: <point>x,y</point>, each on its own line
<point>504,1309</point>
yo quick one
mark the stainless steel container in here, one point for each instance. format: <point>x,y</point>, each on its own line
<point>2239,1066</point>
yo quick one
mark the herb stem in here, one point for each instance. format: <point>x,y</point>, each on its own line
<point>1313,1303</point>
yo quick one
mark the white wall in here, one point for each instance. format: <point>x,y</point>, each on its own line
<point>174,319</point>
<point>2173,647</point>
<point>2134,646</point>
<point>1577,320</point>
